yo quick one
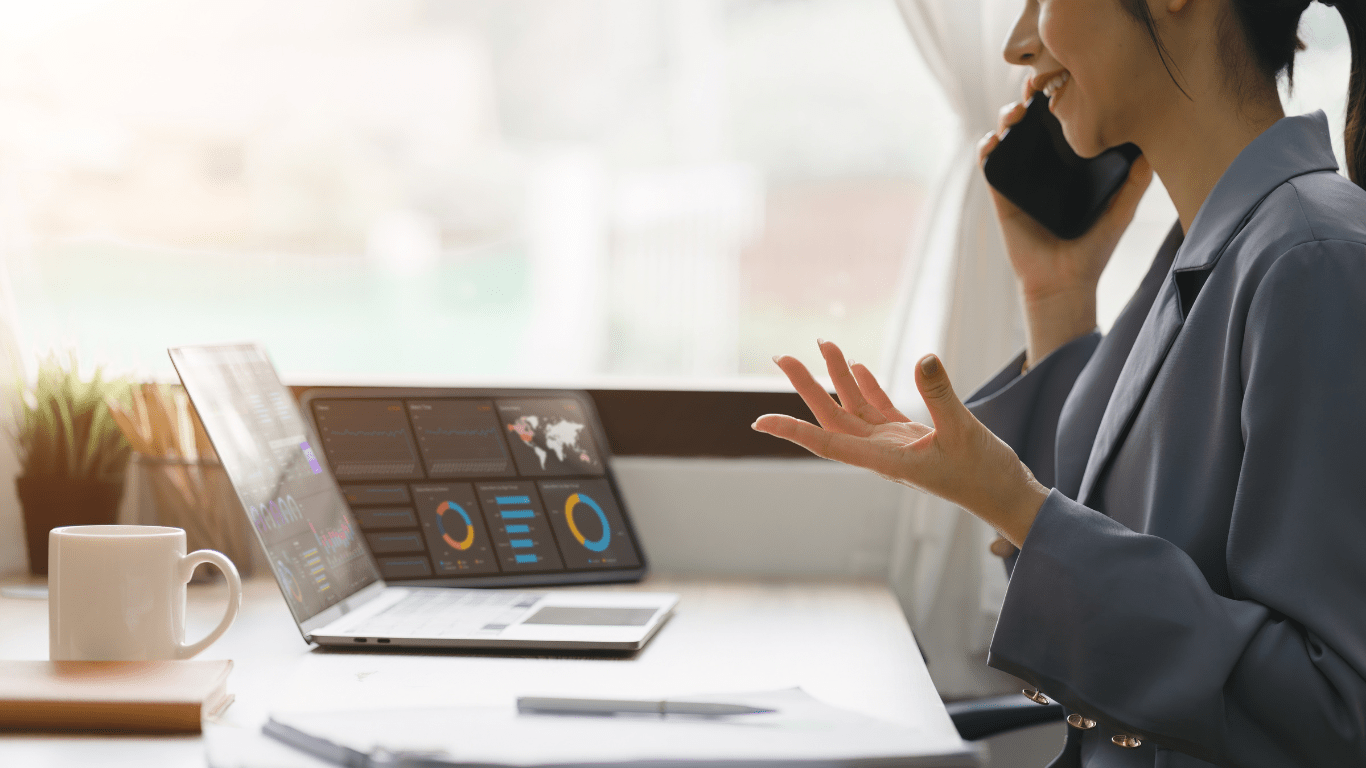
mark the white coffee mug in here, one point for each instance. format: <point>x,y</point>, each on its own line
<point>117,593</point>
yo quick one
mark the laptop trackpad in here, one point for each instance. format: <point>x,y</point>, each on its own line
<point>568,615</point>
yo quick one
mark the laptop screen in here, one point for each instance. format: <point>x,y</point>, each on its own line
<point>269,452</point>
<point>486,487</point>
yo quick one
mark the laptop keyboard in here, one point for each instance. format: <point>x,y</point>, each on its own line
<point>439,613</point>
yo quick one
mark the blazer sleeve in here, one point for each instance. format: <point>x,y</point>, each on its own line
<point>1124,628</point>
<point>1023,409</point>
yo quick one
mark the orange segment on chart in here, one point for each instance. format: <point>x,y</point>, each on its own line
<point>450,506</point>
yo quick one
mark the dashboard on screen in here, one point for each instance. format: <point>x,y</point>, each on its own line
<point>477,486</point>
<point>269,453</point>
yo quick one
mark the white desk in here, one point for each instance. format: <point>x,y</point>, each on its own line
<point>845,642</point>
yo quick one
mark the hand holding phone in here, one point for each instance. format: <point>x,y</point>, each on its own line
<point>1034,168</point>
<point>1057,259</point>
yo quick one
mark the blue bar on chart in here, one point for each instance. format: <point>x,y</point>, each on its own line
<point>521,533</point>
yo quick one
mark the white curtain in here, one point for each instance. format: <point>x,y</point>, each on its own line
<point>958,300</point>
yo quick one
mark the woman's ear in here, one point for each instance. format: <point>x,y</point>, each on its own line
<point>1177,6</point>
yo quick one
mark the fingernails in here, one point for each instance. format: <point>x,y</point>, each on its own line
<point>930,365</point>
<point>820,342</point>
<point>775,359</point>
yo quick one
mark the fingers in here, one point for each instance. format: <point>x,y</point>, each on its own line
<point>846,386</point>
<point>946,410</point>
<point>847,449</point>
<point>1009,115</point>
<point>823,407</point>
<point>877,397</point>
<point>985,146</point>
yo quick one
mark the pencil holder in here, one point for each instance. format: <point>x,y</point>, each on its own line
<point>198,497</point>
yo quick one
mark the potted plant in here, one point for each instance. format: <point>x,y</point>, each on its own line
<point>72,456</point>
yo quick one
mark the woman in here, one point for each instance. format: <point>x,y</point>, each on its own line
<point>1187,493</point>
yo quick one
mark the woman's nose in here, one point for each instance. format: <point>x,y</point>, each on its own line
<point>1023,45</point>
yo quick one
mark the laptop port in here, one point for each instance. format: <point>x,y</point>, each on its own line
<point>358,639</point>
<point>382,640</point>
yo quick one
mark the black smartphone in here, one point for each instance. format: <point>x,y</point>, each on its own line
<point>1034,168</point>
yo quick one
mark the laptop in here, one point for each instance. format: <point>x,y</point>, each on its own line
<point>481,524</point>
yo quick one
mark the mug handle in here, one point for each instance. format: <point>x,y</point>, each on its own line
<point>187,565</point>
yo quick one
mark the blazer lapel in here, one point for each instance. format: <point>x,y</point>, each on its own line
<point>1080,418</point>
<point>1135,379</point>
<point>1291,147</point>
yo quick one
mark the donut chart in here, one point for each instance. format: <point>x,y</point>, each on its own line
<point>288,582</point>
<point>450,506</point>
<point>573,501</point>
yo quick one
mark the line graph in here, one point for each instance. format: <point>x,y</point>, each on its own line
<point>443,432</point>
<point>367,432</point>
<point>367,438</point>
<point>459,438</point>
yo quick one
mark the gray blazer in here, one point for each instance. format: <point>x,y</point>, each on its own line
<point>1197,577</point>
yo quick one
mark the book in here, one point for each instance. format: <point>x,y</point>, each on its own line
<point>112,696</point>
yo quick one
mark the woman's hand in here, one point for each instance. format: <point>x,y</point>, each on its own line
<point>1057,278</point>
<point>959,459</point>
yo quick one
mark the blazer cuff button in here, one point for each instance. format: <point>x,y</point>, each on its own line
<point>1035,696</point>
<point>1127,740</point>
<point>1082,723</point>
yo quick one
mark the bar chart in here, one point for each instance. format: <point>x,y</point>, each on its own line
<point>521,534</point>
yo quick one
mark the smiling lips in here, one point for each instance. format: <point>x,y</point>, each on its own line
<point>1053,84</point>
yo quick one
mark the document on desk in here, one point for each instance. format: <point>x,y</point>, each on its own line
<point>801,730</point>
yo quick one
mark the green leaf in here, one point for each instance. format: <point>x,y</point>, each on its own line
<point>63,427</point>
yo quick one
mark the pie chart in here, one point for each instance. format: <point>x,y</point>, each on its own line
<point>447,523</point>
<point>287,581</point>
<point>574,500</point>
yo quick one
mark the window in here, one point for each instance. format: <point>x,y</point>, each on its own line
<point>554,189</point>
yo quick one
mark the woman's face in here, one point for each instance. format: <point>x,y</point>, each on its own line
<point>1098,65</point>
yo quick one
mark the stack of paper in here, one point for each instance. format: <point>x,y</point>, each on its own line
<point>801,730</point>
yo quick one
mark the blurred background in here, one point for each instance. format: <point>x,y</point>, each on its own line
<point>540,189</point>
<point>496,189</point>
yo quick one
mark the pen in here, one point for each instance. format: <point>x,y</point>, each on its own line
<point>546,705</point>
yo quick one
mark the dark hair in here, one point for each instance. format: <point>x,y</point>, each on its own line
<point>1271,31</point>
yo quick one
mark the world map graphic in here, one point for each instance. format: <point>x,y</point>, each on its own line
<point>555,436</point>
